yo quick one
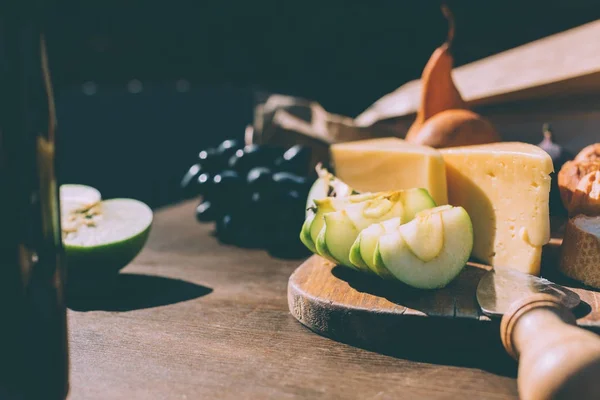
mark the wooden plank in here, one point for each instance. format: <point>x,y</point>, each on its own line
<point>193,319</point>
<point>563,64</point>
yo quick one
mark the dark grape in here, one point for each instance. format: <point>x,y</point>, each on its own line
<point>251,237</point>
<point>253,205</point>
<point>224,229</point>
<point>229,144</point>
<point>234,160</point>
<point>212,160</point>
<point>292,196</point>
<point>253,156</point>
<point>227,149</point>
<point>259,177</point>
<point>245,159</point>
<point>286,181</point>
<point>204,183</point>
<point>295,160</point>
<point>207,211</point>
<point>205,156</point>
<point>292,208</point>
<point>262,203</point>
<point>189,182</point>
<point>227,182</point>
<point>284,241</point>
<point>239,229</point>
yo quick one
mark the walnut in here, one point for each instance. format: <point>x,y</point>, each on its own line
<point>569,176</point>
<point>586,198</point>
<point>589,153</point>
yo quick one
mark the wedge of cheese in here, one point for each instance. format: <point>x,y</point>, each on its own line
<point>390,164</point>
<point>505,189</point>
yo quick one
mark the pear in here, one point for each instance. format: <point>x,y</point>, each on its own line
<point>443,118</point>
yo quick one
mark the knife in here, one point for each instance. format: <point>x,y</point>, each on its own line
<point>557,359</point>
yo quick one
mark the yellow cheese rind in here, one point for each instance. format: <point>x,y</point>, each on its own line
<point>390,164</point>
<point>505,189</point>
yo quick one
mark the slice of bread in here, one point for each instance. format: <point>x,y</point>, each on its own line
<point>580,252</point>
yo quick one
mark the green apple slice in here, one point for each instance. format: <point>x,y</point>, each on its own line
<point>318,190</point>
<point>341,233</point>
<point>305,233</point>
<point>311,229</point>
<point>426,237</point>
<point>107,237</point>
<point>361,253</point>
<point>327,185</point>
<point>416,200</point>
<point>394,253</point>
<point>363,249</point>
<point>412,201</point>
<point>341,228</point>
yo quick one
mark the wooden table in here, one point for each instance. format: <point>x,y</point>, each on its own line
<point>192,319</point>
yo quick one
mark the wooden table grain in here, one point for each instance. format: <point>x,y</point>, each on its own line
<point>193,319</point>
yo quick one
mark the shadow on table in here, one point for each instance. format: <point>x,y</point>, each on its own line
<point>436,344</point>
<point>127,292</point>
<point>466,342</point>
<point>440,340</point>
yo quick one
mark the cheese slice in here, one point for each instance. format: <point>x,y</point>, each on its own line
<point>505,189</point>
<point>384,164</point>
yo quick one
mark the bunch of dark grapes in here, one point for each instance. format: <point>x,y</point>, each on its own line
<point>256,194</point>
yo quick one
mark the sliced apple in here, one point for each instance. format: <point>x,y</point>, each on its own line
<point>314,221</point>
<point>363,248</point>
<point>400,252</point>
<point>305,233</point>
<point>341,228</point>
<point>338,234</point>
<point>416,200</point>
<point>425,238</point>
<point>361,252</point>
<point>327,185</point>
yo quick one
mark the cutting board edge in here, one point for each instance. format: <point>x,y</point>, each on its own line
<point>327,318</point>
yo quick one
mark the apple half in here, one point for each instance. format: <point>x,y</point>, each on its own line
<point>101,237</point>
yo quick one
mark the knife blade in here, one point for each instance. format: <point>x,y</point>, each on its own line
<point>501,287</point>
<point>557,359</point>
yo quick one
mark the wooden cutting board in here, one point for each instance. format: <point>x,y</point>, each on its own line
<point>348,305</point>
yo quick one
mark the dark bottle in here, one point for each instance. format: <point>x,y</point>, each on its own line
<point>33,331</point>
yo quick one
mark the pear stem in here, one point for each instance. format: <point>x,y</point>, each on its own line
<point>450,18</point>
<point>547,132</point>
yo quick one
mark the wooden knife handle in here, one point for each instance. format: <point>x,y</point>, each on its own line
<point>557,359</point>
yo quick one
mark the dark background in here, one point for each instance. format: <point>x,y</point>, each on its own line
<point>344,54</point>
